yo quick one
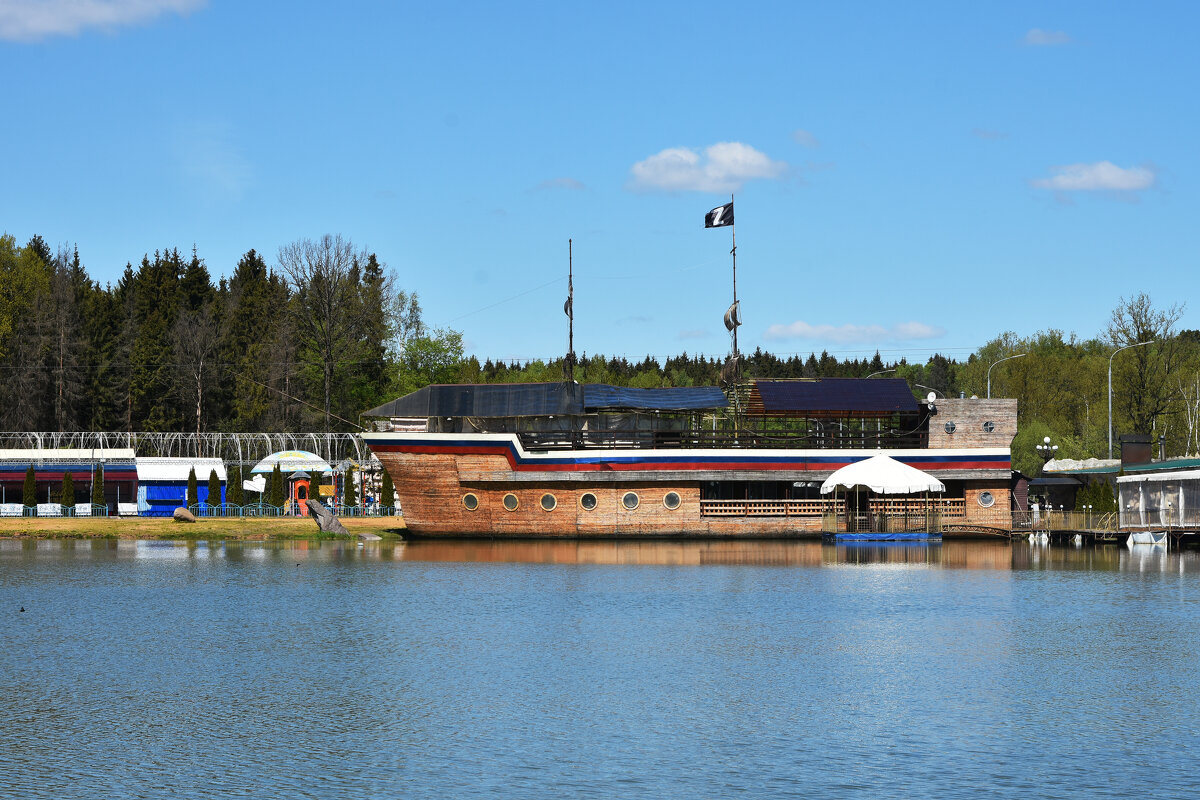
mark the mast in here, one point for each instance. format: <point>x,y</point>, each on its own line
<point>569,309</point>
<point>733,252</point>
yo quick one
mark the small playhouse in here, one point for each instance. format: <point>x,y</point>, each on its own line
<point>162,483</point>
<point>303,473</point>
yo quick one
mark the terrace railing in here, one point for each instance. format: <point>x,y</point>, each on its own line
<point>757,439</point>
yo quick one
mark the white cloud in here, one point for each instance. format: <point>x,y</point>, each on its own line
<point>1099,177</point>
<point>32,20</point>
<point>1036,37</point>
<point>805,138</point>
<point>853,334</point>
<point>723,167</point>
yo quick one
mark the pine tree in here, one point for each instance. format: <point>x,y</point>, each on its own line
<point>348,496</point>
<point>98,486</point>
<point>193,498</point>
<point>214,489</point>
<point>66,495</point>
<point>29,493</point>
<point>387,500</point>
<point>234,492</point>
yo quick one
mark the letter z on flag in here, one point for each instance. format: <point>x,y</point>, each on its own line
<point>720,216</point>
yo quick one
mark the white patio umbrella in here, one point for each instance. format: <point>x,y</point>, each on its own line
<point>883,475</point>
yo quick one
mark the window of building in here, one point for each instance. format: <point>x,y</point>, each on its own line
<point>986,499</point>
<point>549,502</point>
<point>989,426</point>
<point>671,500</point>
<point>630,500</point>
<point>470,502</point>
<point>951,427</point>
<point>510,502</point>
<point>587,501</point>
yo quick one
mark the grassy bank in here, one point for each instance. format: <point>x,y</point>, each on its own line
<point>249,529</point>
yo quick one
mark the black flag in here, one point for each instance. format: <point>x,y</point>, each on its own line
<point>720,216</point>
<point>569,308</point>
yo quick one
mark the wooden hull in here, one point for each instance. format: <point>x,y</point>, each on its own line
<point>457,485</point>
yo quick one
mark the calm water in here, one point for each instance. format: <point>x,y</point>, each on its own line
<point>531,670</point>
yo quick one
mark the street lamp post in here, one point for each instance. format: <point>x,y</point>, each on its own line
<point>994,363</point>
<point>881,372</point>
<point>1046,450</point>
<point>1110,360</point>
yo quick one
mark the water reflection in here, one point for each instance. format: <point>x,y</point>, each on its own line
<point>950,554</point>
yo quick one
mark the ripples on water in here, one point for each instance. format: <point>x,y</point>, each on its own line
<point>590,669</point>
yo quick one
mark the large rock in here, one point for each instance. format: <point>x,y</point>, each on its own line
<point>325,518</point>
<point>183,515</point>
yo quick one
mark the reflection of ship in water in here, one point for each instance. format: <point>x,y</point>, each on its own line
<point>660,552</point>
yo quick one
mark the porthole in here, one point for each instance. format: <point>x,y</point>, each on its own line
<point>510,502</point>
<point>989,426</point>
<point>671,500</point>
<point>951,427</point>
<point>470,502</point>
<point>986,499</point>
<point>587,501</point>
<point>549,502</point>
<point>630,500</point>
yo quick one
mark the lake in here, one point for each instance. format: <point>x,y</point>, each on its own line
<point>596,669</point>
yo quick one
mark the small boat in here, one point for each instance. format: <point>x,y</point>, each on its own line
<point>842,538</point>
<point>1147,537</point>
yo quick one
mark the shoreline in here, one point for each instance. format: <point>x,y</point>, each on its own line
<point>234,528</point>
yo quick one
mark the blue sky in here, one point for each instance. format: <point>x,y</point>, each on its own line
<point>913,178</point>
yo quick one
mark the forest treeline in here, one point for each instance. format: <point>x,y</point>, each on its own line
<point>322,331</point>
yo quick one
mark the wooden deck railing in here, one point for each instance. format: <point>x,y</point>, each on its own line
<point>770,508</point>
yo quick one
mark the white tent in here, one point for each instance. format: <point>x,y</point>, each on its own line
<point>882,475</point>
<point>290,461</point>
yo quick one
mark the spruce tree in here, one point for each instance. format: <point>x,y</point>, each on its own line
<point>233,485</point>
<point>387,500</point>
<point>98,486</point>
<point>29,493</point>
<point>214,488</point>
<point>193,498</point>
<point>277,498</point>
<point>66,495</point>
<point>348,497</point>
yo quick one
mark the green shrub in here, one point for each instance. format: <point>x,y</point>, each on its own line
<point>387,497</point>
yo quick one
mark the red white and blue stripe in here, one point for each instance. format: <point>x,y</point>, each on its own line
<point>673,460</point>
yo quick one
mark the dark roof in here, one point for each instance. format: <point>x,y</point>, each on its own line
<point>597,396</point>
<point>1055,480</point>
<point>1164,466</point>
<point>486,400</point>
<point>543,400</point>
<point>833,397</point>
